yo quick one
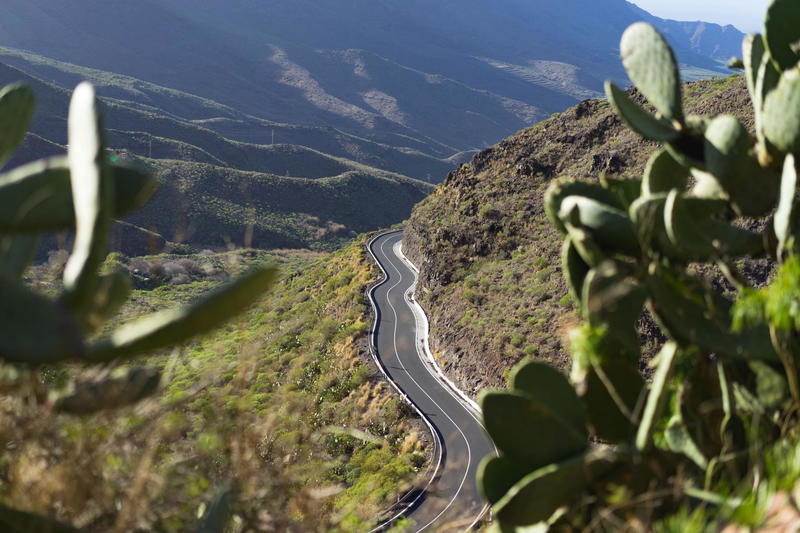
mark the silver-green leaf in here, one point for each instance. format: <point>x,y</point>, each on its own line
<point>652,67</point>
<point>17,103</point>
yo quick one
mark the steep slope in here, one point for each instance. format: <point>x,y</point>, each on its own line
<point>489,259</point>
<point>475,71</point>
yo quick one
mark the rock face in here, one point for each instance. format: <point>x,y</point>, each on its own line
<point>490,262</point>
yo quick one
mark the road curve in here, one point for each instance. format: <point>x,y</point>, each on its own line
<point>450,501</point>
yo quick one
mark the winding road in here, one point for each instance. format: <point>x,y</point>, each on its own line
<point>450,501</point>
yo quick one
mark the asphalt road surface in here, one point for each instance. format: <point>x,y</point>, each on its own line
<point>450,501</point>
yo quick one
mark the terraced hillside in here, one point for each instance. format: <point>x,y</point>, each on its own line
<point>232,137</point>
<point>218,192</point>
<point>490,260</point>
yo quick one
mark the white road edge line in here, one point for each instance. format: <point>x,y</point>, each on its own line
<point>438,445</point>
<point>429,362</point>
<point>420,312</point>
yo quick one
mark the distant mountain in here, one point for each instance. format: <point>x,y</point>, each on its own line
<point>711,40</point>
<point>438,76</point>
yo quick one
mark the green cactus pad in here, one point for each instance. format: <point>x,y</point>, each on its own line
<point>608,226</point>
<point>112,393</point>
<point>694,315</point>
<point>787,216</point>
<point>574,268</point>
<point>752,190</point>
<point>91,196</point>
<point>647,214</point>
<point>496,476</point>
<point>637,118</point>
<point>701,237</point>
<point>558,190</point>
<point>547,386</point>
<point>35,330</point>
<point>627,190</point>
<point>174,326</point>
<point>17,103</point>
<point>781,33</point>
<point>652,67</point>
<point>663,174</point>
<point>613,300</point>
<point>528,432</point>
<point>48,181</point>
<point>606,385</point>
<point>767,80</point>
<point>587,249</point>
<point>537,496</point>
<point>782,113</point>
<point>753,53</point>
<point>727,145</point>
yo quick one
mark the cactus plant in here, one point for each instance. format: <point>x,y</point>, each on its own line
<point>629,249</point>
<point>652,67</point>
<point>84,192</point>
<point>16,113</point>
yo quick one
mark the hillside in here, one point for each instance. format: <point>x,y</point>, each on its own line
<point>296,124</point>
<point>232,137</point>
<point>217,192</point>
<point>285,401</point>
<point>489,259</point>
<point>215,207</point>
<point>473,75</point>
